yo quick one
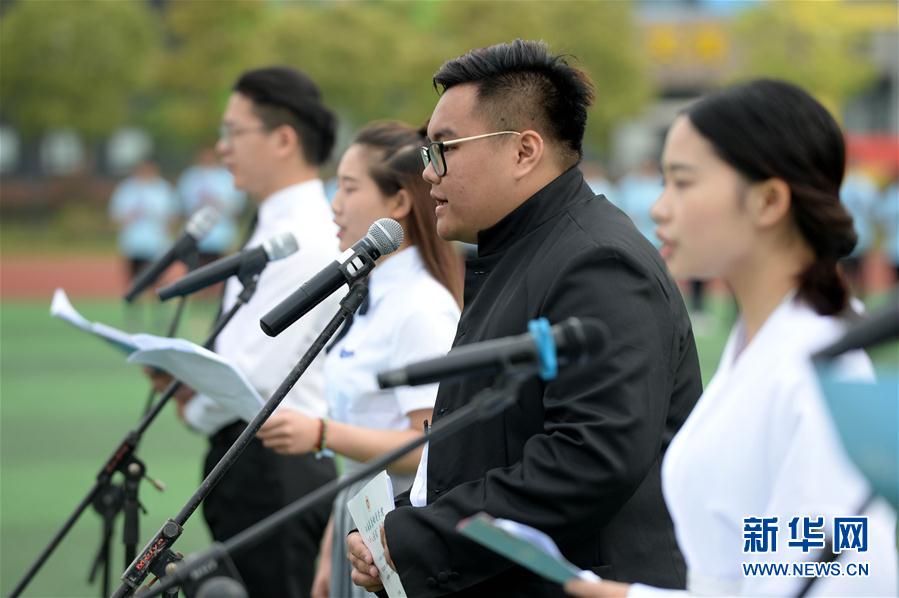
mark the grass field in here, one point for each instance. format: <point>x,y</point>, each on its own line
<point>67,400</point>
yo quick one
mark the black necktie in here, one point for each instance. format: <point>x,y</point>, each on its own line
<point>348,323</point>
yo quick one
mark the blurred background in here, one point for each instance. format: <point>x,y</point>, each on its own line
<point>92,92</point>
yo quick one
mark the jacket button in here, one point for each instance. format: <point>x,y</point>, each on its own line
<point>437,490</point>
<point>443,577</point>
<point>454,576</point>
<point>431,582</point>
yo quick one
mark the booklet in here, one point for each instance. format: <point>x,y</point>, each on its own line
<point>368,509</point>
<point>524,545</point>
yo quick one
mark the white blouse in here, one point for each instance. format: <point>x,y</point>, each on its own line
<point>760,443</point>
<point>410,317</point>
<point>303,210</point>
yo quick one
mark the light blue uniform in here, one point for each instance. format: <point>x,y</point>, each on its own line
<point>144,209</point>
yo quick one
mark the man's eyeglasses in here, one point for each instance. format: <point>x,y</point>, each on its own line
<point>228,132</point>
<point>433,153</point>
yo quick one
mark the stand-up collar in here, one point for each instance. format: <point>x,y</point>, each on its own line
<point>540,207</point>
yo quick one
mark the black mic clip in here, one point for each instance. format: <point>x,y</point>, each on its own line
<point>357,267</point>
<point>251,268</point>
<point>215,577</point>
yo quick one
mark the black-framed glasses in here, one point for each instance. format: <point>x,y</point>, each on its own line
<point>433,153</point>
<point>229,132</point>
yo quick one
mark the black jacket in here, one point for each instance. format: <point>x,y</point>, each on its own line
<point>578,457</point>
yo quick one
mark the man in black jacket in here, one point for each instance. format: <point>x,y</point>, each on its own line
<point>578,457</point>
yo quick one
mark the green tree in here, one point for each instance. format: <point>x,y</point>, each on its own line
<point>209,44</point>
<point>75,64</point>
<point>370,59</point>
<point>601,37</point>
<point>818,45</point>
<point>375,60</point>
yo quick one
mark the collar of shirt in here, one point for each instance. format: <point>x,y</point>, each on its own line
<point>540,207</point>
<point>285,202</point>
<point>401,266</point>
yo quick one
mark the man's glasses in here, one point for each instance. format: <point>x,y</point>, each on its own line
<point>433,153</point>
<point>228,132</point>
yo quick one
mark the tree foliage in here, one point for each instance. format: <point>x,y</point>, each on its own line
<point>817,45</point>
<point>373,60</point>
<point>75,64</point>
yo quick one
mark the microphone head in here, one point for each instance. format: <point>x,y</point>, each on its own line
<point>202,222</point>
<point>386,235</point>
<point>280,246</point>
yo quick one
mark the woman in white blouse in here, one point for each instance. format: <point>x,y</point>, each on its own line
<point>411,313</point>
<point>751,195</point>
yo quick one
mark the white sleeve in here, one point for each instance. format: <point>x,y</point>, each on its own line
<point>422,334</point>
<point>206,416</point>
<point>813,477</point>
<point>638,590</point>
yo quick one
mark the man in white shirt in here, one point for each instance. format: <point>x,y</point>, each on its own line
<point>275,134</point>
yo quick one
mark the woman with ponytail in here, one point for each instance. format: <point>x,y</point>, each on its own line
<point>752,177</point>
<point>411,313</point>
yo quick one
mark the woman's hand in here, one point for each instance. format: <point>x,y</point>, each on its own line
<point>290,433</point>
<point>321,585</point>
<point>597,589</point>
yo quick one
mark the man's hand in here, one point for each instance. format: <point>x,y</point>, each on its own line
<point>365,574</point>
<point>290,433</point>
<point>161,381</point>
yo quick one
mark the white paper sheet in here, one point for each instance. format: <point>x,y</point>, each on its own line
<point>369,508</point>
<point>62,308</point>
<point>199,368</point>
<point>206,372</point>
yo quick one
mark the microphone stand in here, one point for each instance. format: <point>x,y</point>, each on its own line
<point>157,556</point>
<point>203,566</point>
<point>123,460</point>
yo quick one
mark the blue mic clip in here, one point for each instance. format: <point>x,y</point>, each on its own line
<point>546,347</point>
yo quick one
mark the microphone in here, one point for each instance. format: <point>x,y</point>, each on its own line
<point>196,228</point>
<point>384,236</point>
<point>540,351</point>
<point>248,262</point>
<point>872,330</point>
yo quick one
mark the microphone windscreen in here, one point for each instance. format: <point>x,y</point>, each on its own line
<point>386,234</point>
<point>280,246</point>
<point>202,222</point>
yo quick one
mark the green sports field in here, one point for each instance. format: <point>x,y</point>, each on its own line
<point>66,400</point>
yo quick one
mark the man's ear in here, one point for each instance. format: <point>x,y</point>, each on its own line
<point>286,139</point>
<point>529,152</point>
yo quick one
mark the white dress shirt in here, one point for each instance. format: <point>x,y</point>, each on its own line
<point>303,210</point>
<point>410,317</point>
<point>760,443</point>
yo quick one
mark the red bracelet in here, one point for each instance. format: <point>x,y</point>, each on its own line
<point>321,434</point>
